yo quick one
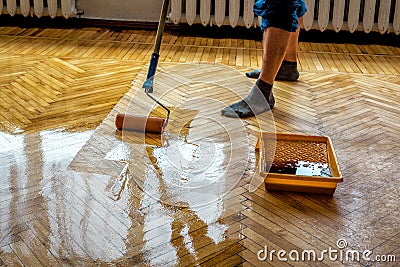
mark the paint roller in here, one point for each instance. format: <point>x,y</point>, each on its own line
<point>143,123</point>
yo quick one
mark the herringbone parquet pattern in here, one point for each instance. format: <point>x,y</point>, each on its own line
<point>60,154</point>
<point>41,91</point>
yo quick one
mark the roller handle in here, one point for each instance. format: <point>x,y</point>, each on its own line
<point>148,84</point>
<point>161,24</point>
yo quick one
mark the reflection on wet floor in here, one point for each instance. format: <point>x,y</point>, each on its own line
<point>35,201</point>
<point>170,205</point>
<point>184,182</point>
<point>62,210</point>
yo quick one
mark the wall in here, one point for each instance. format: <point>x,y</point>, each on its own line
<point>131,10</point>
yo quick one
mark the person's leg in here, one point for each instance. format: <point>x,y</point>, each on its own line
<point>291,51</point>
<point>260,98</point>
<point>288,70</point>
<point>275,43</point>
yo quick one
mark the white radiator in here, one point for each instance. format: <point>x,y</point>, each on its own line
<point>349,15</point>
<point>39,8</point>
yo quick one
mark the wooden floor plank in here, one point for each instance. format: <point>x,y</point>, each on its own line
<point>9,258</point>
<point>25,254</point>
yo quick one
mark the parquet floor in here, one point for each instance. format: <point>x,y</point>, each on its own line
<point>74,192</point>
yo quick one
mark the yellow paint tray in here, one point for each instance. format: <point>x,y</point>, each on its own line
<point>298,163</point>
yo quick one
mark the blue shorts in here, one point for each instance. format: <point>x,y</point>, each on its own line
<point>282,14</point>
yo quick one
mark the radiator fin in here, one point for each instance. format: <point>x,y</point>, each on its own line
<point>39,8</point>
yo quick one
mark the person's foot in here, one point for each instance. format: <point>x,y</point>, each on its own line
<point>259,100</point>
<point>254,74</point>
<point>287,72</point>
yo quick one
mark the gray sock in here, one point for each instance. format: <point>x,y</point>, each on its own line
<point>260,99</point>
